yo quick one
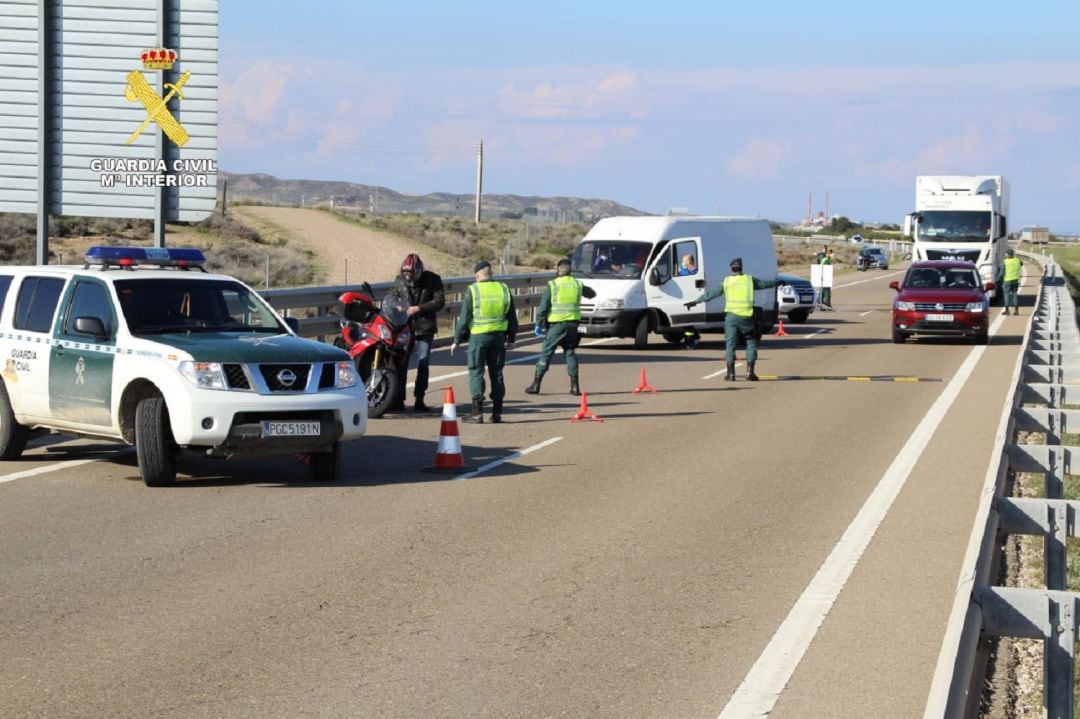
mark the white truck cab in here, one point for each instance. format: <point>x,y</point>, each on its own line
<point>142,346</point>
<point>644,269</point>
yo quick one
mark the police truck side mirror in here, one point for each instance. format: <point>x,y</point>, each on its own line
<point>92,326</point>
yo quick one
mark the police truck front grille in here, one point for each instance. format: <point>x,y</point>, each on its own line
<point>285,377</point>
<point>234,375</point>
<point>326,379</point>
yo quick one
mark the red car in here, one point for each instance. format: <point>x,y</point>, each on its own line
<point>941,297</point>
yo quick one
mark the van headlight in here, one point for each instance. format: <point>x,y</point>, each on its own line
<point>204,375</point>
<point>611,304</point>
<point>346,374</point>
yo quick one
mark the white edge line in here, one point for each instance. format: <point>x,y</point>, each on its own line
<point>509,458</point>
<point>59,466</point>
<point>757,694</point>
<point>720,372</point>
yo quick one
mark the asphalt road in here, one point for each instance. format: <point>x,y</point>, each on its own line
<point>703,550</point>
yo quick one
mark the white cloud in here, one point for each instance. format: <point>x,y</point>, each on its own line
<point>760,160</point>
<point>613,94</point>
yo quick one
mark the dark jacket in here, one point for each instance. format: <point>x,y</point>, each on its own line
<point>427,294</point>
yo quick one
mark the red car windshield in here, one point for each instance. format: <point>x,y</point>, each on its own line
<point>936,278</point>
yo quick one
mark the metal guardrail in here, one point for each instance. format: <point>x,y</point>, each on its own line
<point>323,301</point>
<point>1047,373</point>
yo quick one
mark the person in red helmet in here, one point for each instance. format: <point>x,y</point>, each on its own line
<point>423,290</point>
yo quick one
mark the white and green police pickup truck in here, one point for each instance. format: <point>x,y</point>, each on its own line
<point>166,359</point>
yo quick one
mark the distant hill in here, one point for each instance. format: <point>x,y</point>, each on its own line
<point>267,189</point>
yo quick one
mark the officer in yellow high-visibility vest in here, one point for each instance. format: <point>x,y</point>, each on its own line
<point>488,320</point>
<point>739,322</point>
<point>1008,280</point>
<point>559,315</point>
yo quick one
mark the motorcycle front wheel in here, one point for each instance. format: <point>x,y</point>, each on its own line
<point>382,388</point>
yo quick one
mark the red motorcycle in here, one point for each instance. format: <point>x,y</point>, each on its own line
<point>376,335</point>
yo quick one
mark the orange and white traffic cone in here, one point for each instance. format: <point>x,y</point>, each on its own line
<point>583,412</point>
<point>448,457</point>
<point>780,330</point>
<point>643,385</point>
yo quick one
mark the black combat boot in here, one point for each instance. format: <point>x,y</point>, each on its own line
<point>730,376</point>
<point>476,416</point>
<point>419,406</point>
<point>750,372</point>
<point>575,389</point>
<point>534,388</point>
<point>496,411</point>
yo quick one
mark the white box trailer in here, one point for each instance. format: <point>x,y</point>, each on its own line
<point>644,269</point>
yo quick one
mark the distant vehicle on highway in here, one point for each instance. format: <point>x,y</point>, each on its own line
<point>856,239</point>
<point>872,257</point>
<point>941,298</point>
<point>794,299</point>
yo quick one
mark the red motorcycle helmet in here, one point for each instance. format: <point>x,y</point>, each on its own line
<point>412,263</point>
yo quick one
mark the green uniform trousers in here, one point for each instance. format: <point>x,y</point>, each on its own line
<point>487,350</point>
<point>736,328</point>
<point>565,335</point>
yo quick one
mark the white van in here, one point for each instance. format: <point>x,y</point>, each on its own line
<point>644,268</point>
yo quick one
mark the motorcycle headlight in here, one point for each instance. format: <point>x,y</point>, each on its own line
<point>976,307</point>
<point>612,304</point>
<point>905,306</point>
<point>384,333</point>
<point>404,338</point>
<point>346,374</point>
<point>204,375</point>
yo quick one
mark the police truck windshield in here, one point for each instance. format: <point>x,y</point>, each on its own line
<point>953,226</point>
<point>188,305</point>
<point>610,258</point>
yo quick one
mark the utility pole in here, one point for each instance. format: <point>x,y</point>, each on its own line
<point>810,208</point>
<point>479,179</point>
<point>826,206</point>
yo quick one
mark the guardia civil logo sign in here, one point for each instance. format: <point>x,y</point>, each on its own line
<point>157,108</point>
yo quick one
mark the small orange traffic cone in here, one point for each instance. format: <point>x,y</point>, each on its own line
<point>448,456</point>
<point>583,412</point>
<point>780,330</point>
<point>643,385</point>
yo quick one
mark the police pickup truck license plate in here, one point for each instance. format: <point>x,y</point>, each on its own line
<point>291,429</point>
<point>939,318</point>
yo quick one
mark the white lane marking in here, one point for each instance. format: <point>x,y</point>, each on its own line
<point>871,279</point>
<point>717,374</point>
<point>509,458</point>
<point>868,312</point>
<point>26,473</point>
<point>757,694</point>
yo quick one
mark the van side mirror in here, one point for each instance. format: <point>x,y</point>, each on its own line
<point>654,277</point>
<point>92,326</point>
<point>894,285</point>
<point>293,324</point>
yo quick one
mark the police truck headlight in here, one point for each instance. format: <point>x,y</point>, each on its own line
<point>346,374</point>
<point>612,304</point>
<point>204,375</point>
<point>905,306</point>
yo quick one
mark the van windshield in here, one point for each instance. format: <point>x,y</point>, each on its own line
<point>610,258</point>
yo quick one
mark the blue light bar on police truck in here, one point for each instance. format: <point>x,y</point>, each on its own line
<point>182,257</point>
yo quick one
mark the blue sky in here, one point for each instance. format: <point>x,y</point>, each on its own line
<point>741,108</point>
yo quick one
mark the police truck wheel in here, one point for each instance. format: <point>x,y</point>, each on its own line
<point>154,444</point>
<point>12,434</point>
<point>798,316</point>
<point>673,337</point>
<point>641,332</point>
<point>326,466</point>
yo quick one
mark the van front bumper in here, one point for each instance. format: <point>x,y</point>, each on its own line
<point>609,323</point>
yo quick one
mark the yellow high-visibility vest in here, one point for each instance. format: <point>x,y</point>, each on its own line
<point>490,301</point>
<point>1012,269</point>
<point>739,295</point>
<point>565,293</point>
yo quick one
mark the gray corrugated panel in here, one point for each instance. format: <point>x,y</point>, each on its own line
<point>110,28</point>
<point>130,198</point>
<point>105,139</point>
<point>18,183</point>
<point>27,58</point>
<point>21,196</point>
<point>19,72</point>
<point>133,41</point>
<point>121,211</point>
<point>21,165</point>
<point>16,97</point>
<point>148,14</point>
